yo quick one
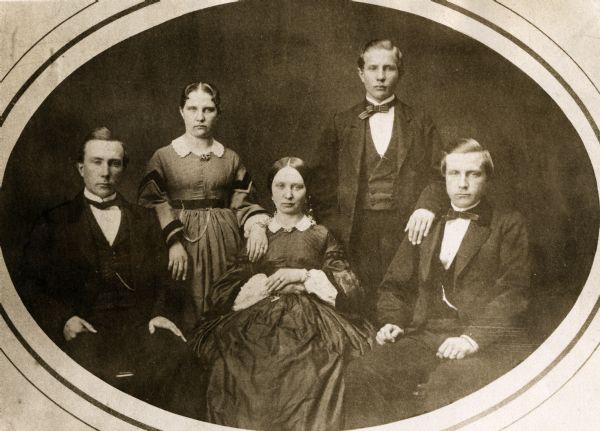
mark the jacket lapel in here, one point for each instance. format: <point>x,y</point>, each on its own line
<point>136,239</point>
<point>428,249</point>
<point>80,230</point>
<point>405,133</point>
<point>427,253</point>
<point>355,142</point>
<point>477,234</point>
<point>475,237</point>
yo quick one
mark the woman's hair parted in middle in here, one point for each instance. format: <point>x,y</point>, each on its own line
<point>205,87</point>
<point>292,162</point>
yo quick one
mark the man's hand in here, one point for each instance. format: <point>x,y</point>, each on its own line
<point>163,322</point>
<point>388,334</point>
<point>418,225</point>
<point>257,242</point>
<point>76,325</point>
<point>283,277</point>
<point>178,261</point>
<point>455,348</point>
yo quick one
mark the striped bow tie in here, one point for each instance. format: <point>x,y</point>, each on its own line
<point>372,109</point>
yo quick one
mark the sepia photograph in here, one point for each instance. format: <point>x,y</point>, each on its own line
<point>299,215</point>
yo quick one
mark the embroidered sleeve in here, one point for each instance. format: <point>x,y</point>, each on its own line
<point>253,291</point>
<point>336,267</point>
<point>243,194</point>
<point>152,193</point>
<point>318,284</point>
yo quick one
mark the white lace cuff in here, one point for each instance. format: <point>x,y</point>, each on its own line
<point>254,290</point>
<point>261,218</point>
<point>317,283</point>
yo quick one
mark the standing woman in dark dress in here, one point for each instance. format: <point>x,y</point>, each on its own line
<point>274,350</point>
<point>202,193</point>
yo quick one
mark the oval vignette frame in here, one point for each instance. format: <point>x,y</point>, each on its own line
<point>495,406</point>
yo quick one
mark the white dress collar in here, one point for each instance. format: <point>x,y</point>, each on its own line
<point>383,102</point>
<point>95,198</point>
<point>304,223</point>
<point>182,148</point>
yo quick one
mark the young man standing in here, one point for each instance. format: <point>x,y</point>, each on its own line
<point>373,163</point>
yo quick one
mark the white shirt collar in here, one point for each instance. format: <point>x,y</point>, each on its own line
<point>464,209</point>
<point>304,223</point>
<point>95,198</point>
<point>182,148</point>
<point>375,102</point>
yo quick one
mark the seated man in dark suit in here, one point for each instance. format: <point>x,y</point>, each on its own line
<point>448,307</point>
<point>95,278</point>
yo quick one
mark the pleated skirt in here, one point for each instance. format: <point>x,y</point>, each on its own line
<point>212,240</point>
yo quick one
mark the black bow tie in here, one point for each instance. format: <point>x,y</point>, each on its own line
<point>372,109</point>
<point>453,215</point>
<point>116,202</point>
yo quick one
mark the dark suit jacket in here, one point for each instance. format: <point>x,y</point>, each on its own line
<point>491,277</point>
<point>60,272</point>
<point>338,164</point>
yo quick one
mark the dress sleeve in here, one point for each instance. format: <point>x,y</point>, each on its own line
<point>153,194</point>
<point>243,196</point>
<point>349,291</point>
<point>170,295</point>
<point>227,287</point>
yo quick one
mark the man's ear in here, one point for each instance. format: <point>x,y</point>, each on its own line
<point>361,74</point>
<point>79,167</point>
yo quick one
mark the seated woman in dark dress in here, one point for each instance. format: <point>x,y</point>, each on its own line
<point>282,328</point>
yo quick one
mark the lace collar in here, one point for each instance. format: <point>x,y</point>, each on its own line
<point>182,148</point>
<point>304,223</point>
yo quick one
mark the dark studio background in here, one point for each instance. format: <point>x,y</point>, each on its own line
<point>282,68</point>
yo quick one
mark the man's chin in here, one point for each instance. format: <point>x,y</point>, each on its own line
<point>380,96</point>
<point>103,194</point>
<point>462,204</point>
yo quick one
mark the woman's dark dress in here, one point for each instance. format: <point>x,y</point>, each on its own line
<point>278,365</point>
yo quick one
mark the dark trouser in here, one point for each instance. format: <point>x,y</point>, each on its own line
<point>405,378</point>
<point>188,390</point>
<point>375,239</point>
<point>119,349</point>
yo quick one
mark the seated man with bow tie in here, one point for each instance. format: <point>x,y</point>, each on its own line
<point>448,308</point>
<point>373,164</point>
<point>95,271</point>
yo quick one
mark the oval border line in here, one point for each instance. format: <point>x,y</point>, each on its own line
<point>496,406</point>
